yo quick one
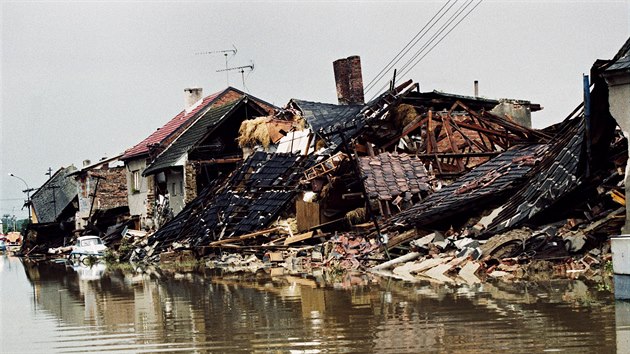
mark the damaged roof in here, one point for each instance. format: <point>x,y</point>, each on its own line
<point>389,175</point>
<point>326,118</point>
<point>173,126</point>
<point>167,129</point>
<point>474,190</point>
<point>442,100</point>
<point>251,199</point>
<point>190,137</point>
<point>560,172</point>
<point>621,61</point>
<point>54,195</point>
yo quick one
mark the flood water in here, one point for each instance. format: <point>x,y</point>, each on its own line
<point>54,308</point>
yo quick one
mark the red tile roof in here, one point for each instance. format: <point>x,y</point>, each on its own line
<point>161,133</point>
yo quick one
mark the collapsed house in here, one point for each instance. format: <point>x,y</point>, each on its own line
<point>253,197</point>
<point>54,206</point>
<point>441,177</point>
<point>366,164</point>
<point>103,208</point>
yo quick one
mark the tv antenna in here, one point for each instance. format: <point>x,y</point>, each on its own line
<point>242,70</point>
<point>225,53</point>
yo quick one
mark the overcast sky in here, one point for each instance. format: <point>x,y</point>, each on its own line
<point>83,80</point>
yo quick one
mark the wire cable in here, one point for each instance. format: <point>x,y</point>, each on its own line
<point>448,23</point>
<point>433,38</point>
<point>408,46</point>
<point>441,39</point>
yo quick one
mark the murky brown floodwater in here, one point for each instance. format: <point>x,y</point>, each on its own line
<point>52,308</point>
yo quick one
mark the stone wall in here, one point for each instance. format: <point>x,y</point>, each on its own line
<point>190,182</point>
<point>112,191</point>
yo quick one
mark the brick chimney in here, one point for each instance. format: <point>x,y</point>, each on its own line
<point>192,96</point>
<point>349,80</point>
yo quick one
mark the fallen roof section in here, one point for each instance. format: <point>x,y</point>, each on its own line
<point>389,175</point>
<point>560,172</point>
<point>251,199</point>
<point>54,195</point>
<point>490,182</point>
<point>322,116</point>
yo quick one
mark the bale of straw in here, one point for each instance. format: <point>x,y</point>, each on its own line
<point>403,114</point>
<point>356,216</point>
<point>254,132</point>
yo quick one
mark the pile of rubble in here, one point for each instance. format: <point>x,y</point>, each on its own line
<point>434,193</point>
<point>416,185</point>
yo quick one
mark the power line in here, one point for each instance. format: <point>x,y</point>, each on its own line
<point>433,38</point>
<point>441,39</point>
<point>442,28</point>
<point>408,46</point>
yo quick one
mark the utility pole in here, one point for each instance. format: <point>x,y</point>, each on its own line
<point>28,195</point>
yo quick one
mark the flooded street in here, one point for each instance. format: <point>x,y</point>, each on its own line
<point>54,308</point>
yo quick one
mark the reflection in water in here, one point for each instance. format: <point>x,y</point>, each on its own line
<point>64,309</point>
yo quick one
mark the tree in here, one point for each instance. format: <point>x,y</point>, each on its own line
<point>9,223</point>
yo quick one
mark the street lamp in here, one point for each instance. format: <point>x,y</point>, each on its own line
<point>28,195</point>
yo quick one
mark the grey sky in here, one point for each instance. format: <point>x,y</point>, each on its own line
<point>83,80</point>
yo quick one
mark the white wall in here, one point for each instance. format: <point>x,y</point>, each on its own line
<point>138,203</point>
<point>619,100</point>
<point>175,184</point>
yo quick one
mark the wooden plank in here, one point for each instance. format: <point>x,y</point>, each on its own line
<point>306,215</point>
<point>449,133</point>
<point>402,259</point>
<point>298,238</point>
<point>417,123</point>
<point>243,237</point>
<point>276,257</point>
<point>219,161</point>
<point>430,138</point>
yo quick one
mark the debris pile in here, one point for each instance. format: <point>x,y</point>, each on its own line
<point>415,185</point>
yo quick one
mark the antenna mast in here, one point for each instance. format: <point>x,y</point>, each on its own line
<point>225,53</point>
<point>242,70</point>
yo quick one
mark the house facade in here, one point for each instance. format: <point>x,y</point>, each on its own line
<point>617,77</point>
<point>204,152</point>
<point>101,194</point>
<point>144,190</point>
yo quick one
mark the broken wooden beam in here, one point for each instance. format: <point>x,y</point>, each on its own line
<point>402,259</point>
<point>298,238</point>
<point>243,237</point>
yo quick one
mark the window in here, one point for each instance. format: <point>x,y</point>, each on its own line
<point>135,181</point>
<point>181,187</point>
<point>173,190</point>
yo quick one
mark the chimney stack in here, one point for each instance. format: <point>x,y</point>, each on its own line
<point>192,96</point>
<point>349,80</point>
<point>476,88</point>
